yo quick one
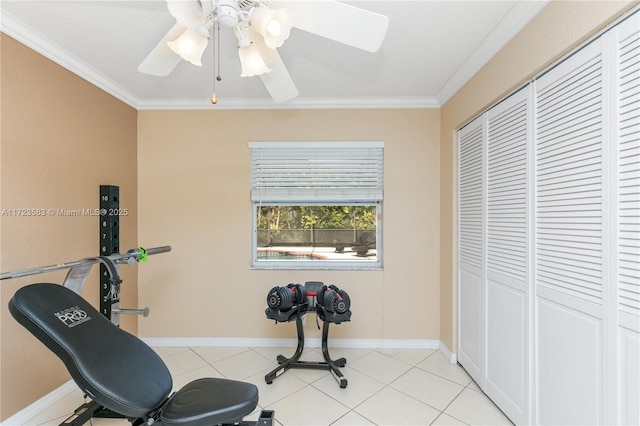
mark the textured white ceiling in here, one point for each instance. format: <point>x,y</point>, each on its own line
<point>431,49</point>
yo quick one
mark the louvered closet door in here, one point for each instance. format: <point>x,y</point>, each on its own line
<point>627,47</point>
<point>569,240</point>
<point>507,313</point>
<point>471,248</point>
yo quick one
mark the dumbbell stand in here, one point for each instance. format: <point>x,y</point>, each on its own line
<point>294,361</point>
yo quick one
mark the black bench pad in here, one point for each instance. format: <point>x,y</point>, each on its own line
<point>118,370</point>
<point>113,367</point>
<point>208,401</point>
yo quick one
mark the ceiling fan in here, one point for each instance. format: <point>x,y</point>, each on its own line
<point>261,26</point>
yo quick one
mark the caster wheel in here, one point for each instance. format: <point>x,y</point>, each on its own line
<point>343,383</point>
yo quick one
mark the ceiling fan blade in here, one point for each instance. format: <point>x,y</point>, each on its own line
<point>162,60</point>
<point>278,82</point>
<point>187,12</point>
<point>338,21</point>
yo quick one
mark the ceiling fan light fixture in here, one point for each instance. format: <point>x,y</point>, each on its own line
<point>190,46</point>
<point>250,59</point>
<point>273,25</point>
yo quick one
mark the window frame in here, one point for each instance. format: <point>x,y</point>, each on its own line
<point>360,264</point>
<point>325,264</point>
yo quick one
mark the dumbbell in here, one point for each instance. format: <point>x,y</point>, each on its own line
<point>285,297</point>
<point>333,299</point>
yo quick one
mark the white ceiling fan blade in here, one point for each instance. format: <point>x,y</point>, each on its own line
<point>162,60</point>
<point>187,12</point>
<point>278,82</point>
<point>338,21</point>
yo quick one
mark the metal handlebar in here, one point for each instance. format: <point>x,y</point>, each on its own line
<point>138,254</point>
<point>144,312</point>
<point>158,250</point>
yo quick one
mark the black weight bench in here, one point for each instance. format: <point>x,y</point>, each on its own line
<point>119,371</point>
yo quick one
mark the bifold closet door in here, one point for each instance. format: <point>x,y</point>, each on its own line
<point>493,254</point>
<point>588,233</point>
<point>570,252</point>
<point>627,47</point>
<point>471,252</point>
<point>549,240</point>
<point>507,299</point>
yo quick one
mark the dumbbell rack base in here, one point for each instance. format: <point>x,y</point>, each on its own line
<point>294,361</point>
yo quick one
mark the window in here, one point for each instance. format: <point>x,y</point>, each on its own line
<point>316,205</point>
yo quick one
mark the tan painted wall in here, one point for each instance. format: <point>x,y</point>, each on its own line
<point>61,138</point>
<point>194,177</point>
<point>558,28</point>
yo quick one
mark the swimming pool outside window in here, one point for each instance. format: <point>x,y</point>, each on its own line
<point>317,205</point>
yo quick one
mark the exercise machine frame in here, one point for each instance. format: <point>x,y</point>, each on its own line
<point>75,280</point>
<point>109,304</point>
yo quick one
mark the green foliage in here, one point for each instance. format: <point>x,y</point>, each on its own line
<point>276,218</point>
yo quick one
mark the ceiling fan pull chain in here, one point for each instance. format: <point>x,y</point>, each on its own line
<point>218,52</point>
<point>215,57</point>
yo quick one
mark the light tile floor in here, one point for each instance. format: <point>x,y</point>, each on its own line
<point>385,387</point>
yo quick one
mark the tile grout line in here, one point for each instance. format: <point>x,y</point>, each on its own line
<point>449,404</point>
<point>315,383</point>
<point>422,402</point>
<point>388,385</point>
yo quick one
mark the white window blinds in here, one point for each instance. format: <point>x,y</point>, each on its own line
<point>316,171</point>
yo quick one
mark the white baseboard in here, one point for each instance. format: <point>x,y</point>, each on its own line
<point>260,342</point>
<point>453,358</point>
<point>26,414</point>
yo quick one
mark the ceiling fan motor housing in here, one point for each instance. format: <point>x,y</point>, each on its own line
<point>246,4</point>
<point>227,12</point>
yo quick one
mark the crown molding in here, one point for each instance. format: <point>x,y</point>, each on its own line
<point>510,25</point>
<point>20,32</point>
<point>519,16</point>
<point>298,103</point>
